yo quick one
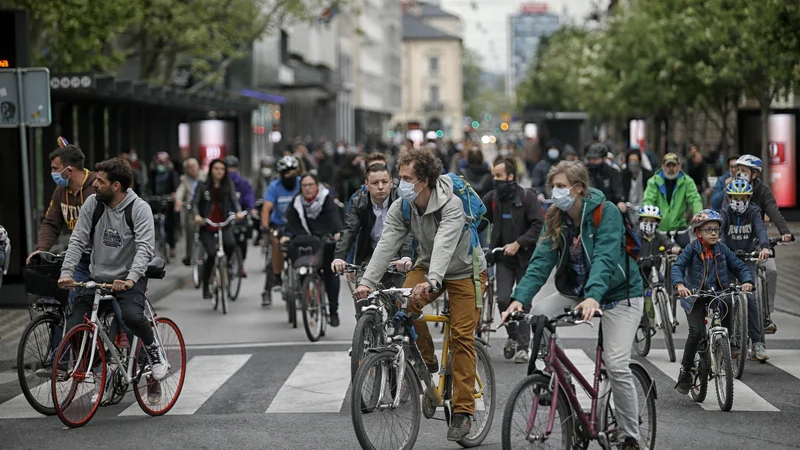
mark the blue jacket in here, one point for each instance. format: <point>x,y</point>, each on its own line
<point>740,231</point>
<point>718,193</point>
<point>695,272</point>
<point>247,197</point>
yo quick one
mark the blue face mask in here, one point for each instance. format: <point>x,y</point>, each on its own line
<point>406,191</point>
<point>561,198</point>
<point>58,179</point>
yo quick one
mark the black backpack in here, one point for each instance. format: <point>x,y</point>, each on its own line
<point>100,208</point>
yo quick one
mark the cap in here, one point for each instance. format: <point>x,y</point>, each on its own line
<point>671,158</point>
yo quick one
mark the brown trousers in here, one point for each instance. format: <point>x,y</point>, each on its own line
<point>464,315</point>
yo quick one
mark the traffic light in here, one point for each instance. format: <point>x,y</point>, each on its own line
<point>504,126</point>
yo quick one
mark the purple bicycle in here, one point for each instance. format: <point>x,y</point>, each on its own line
<point>543,410</point>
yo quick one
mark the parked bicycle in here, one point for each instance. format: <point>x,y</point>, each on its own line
<point>656,290</point>
<point>226,278</point>
<point>84,378</point>
<point>388,382</point>
<point>543,409</point>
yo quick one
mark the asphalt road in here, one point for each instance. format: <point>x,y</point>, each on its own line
<point>255,383</point>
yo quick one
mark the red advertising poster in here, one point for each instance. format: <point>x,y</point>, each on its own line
<point>209,153</point>
<point>783,159</point>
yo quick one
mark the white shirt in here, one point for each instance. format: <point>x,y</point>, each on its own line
<point>380,212</point>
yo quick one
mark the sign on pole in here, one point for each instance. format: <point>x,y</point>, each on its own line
<point>31,107</point>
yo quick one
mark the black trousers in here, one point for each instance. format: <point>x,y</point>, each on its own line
<point>209,241</point>
<point>131,305</point>
<point>506,276</point>
<point>695,320</point>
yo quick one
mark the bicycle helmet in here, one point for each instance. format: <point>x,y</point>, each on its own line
<point>650,211</point>
<point>750,161</point>
<point>286,164</point>
<point>267,161</point>
<point>597,150</point>
<point>162,157</point>
<point>232,161</point>
<point>704,216</point>
<point>739,187</point>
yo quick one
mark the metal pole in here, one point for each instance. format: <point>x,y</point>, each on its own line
<point>26,179</point>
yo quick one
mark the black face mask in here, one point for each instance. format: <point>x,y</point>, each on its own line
<point>505,189</point>
<point>289,182</point>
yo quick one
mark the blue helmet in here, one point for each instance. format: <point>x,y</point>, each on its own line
<point>650,211</point>
<point>739,187</point>
<point>704,216</point>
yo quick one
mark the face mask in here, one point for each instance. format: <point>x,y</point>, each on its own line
<point>594,167</point>
<point>561,198</point>
<point>289,182</point>
<point>340,150</point>
<point>505,189</point>
<point>648,228</point>
<point>634,167</point>
<point>59,180</point>
<point>133,157</point>
<point>161,168</point>
<point>743,176</point>
<point>553,153</point>
<point>739,206</point>
<point>671,177</point>
<point>266,172</point>
<point>406,191</point>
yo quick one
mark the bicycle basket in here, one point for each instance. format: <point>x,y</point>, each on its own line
<point>41,277</point>
<point>306,251</point>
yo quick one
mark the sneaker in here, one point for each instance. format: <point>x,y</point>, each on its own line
<point>277,281</point>
<point>157,365</point>
<point>433,368</point>
<point>629,444</point>
<point>186,261</point>
<point>334,320</point>
<point>759,352</point>
<point>266,298</point>
<point>109,390</point>
<point>771,328</point>
<point>735,352</point>
<point>684,381</point>
<point>521,357</point>
<point>242,273</point>
<point>207,294</point>
<point>459,427</point>
<point>510,348</point>
<point>173,253</point>
<point>153,391</point>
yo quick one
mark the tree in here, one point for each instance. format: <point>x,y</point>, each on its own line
<point>471,77</point>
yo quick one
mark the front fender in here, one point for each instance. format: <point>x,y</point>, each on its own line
<point>637,368</point>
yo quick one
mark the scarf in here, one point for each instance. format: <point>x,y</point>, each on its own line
<point>310,209</point>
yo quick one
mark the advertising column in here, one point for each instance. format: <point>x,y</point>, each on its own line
<point>783,162</point>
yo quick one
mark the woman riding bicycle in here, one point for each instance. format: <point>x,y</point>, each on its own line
<point>314,213</point>
<point>591,276</point>
<point>215,200</point>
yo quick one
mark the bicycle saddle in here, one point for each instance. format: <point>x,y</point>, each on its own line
<point>155,269</point>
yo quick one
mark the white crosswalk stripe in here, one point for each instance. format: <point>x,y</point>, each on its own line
<point>320,383</point>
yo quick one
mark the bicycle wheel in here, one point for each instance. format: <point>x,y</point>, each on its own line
<point>313,314</point>
<point>235,266</point>
<point>162,241</point>
<point>641,340</point>
<point>157,397</point>
<point>646,397</point>
<point>222,287</point>
<point>487,315</point>
<point>77,388</point>
<point>700,376</point>
<point>662,300</point>
<point>375,385</point>
<point>484,399</point>
<point>289,298</point>
<point>739,334</point>
<point>35,362</point>
<point>197,263</point>
<point>526,414</point>
<point>215,302</point>
<point>763,295</point>
<point>367,334</point>
<point>723,373</point>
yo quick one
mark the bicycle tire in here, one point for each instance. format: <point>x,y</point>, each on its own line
<point>197,264</point>
<point>699,388</point>
<point>356,399</point>
<point>648,387</point>
<point>162,241</point>
<point>222,267</point>
<point>722,353</point>
<point>740,334</point>
<point>84,343</point>
<point>763,295</point>
<point>666,327</point>
<point>176,353</point>
<point>291,302</point>
<point>478,434</point>
<point>235,285</point>
<point>641,345</point>
<point>313,314</point>
<point>367,323</point>
<point>43,404</point>
<point>540,383</point>
<point>487,315</point>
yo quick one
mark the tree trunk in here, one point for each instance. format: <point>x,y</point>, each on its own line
<point>765,100</point>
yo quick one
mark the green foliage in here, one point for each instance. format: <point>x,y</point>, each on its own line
<point>471,79</point>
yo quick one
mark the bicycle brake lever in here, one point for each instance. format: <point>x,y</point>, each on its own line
<point>579,322</point>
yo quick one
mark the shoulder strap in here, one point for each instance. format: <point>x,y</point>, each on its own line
<point>405,209</point>
<point>597,215</point>
<point>129,217</point>
<point>99,209</point>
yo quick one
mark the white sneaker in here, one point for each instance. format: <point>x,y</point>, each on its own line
<point>521,357</point>
<point>108,391</point>
<point>157,365</point>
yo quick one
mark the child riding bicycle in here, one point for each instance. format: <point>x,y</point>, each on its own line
<point>652,242</point>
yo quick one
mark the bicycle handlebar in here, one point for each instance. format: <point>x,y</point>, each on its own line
<point>222,224</point>
<point>91,285</point>
<point>574,314</point>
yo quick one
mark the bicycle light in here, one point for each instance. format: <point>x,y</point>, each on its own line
<point>302,271</point>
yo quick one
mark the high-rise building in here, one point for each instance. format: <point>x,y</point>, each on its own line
<point>526,29</point>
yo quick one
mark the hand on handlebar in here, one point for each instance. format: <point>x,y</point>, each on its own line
<point>763,255</point>
<point>361,292</point>
<point>285,239</point>
<point>788,237</point>
<point>588,309</point>
<point>122,285</point>
<point>403,264</point>
<point>65,282</point>
<point>241,215</point>
<point>511,249</point>
<point>513,307</point>
<point>420,290</point>
<point>338,265</point>
<point>747,287</point>
<point>199,220</point>
<point>676,250</point>
<point>683,291</point>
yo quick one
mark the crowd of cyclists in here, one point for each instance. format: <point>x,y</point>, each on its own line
<point>399,206</point>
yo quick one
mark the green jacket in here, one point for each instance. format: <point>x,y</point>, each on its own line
<point>673,214</point>
<point>607,281</point>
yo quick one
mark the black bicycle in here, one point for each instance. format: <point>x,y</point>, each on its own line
<point>161,205</point>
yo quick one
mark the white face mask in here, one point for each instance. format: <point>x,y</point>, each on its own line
<point>648,228</point>
<point>739,206</point>
<point>743,176</point>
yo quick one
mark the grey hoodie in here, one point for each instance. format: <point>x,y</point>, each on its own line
<point>116,255</point>
<point>443,249</point>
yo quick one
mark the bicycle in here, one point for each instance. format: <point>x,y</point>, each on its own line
<point>664,315</point>
<point>398,372</point>
<point>83,374</point>
<point>553,390</point>
<point>713,358</point>
<point>486,322</point>
<point>222,272</point>
<point>198,253</point>
<point>160,205</point>
<point>307,264</point>
<point>681,238</point>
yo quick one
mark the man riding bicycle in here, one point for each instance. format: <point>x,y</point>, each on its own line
<point>123,239</point>
<point>437,220</point>
<point>672,191</point>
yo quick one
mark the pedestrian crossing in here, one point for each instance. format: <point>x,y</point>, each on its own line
<point>319,382</point>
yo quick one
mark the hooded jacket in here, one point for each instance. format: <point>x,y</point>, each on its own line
<point>608,180</point>
<point>765,199</point>
<point>674,212</point>
<point>65,207</point>
<point>119,253</point>
<point>742,231</point>
<point>607,281</point>
<point>443,245</point>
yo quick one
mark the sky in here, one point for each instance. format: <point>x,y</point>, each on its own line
<point>491,39</point>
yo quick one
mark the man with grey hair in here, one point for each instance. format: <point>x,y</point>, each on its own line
<point>184,196</point>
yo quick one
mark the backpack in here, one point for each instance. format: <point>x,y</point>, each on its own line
<point>98,213</point>
<point>474,209</point>
<point>633,244</point>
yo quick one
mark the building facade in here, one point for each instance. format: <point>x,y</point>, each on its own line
<point>526,30</point>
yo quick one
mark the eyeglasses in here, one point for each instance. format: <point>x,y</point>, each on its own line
<point>306,185</point>
<point>710,230</point>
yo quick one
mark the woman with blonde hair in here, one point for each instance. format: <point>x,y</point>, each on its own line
<point>591,276</point>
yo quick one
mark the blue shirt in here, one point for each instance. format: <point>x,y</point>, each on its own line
<point>281,198</point>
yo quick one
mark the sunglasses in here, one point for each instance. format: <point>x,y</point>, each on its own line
<point>710,230</point>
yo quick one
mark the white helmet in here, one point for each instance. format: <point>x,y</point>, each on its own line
<point>286,164</point>
<point>750,161</point>
<point>650,211</point>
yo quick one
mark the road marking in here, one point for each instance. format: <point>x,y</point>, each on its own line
<point>18,408</point>
<point>318,383</point>
<point>585,366</point>
<point>8,376</point>
<point>273,344</point>
<point>744,398</point>
<point>786,360</point>
<point>204,375</point>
